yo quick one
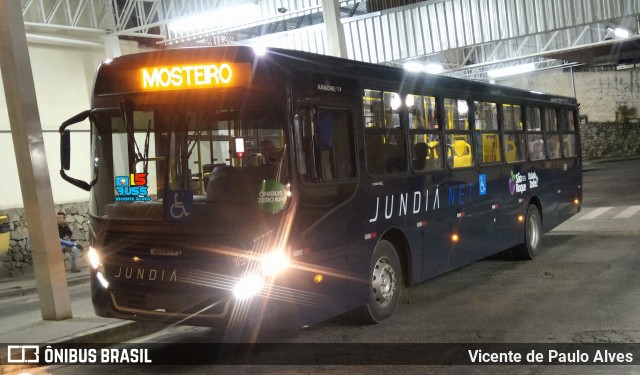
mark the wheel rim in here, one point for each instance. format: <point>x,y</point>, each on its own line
<point>383,282</point>
<point>534,231</point>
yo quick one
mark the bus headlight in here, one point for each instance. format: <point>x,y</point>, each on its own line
<point>273,263</point>
<point>248,287</point>
<point>94,258</point>
<point>96,264</point>
<point>102,279</point>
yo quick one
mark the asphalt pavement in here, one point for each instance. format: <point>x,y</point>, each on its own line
<point>21,320</point>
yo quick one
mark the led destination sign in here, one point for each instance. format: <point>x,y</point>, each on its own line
<point>194,76</point>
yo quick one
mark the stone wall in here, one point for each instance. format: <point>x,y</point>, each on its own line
<point>599,93</point>
<point>609,140</point>
<point>18,260</point>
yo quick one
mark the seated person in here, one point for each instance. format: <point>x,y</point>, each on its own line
<point>65,234</point>
<point>420,151</point>
<point>270,152</point>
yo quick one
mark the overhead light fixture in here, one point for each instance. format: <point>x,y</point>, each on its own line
<point>413,66</point>
<point>222,17</point>
<point>621,33</point>
<point>433,68</point>
<point>511,70</point>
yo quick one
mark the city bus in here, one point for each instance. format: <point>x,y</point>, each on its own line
<point>240,186</point>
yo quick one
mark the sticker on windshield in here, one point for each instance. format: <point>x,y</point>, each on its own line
<point>132,188</point>
<point>272,196</point>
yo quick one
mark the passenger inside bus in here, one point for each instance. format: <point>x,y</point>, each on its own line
<point>510,151</point>
<point>241,184</point>
<point>420,151</point>
<point>270,153</point>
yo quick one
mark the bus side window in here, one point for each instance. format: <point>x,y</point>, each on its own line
<point>372,105</point>
<point>392,104</point>
<point>553,145</point>
<point>515,148</point>
<point>552,126</point>
<point>460,153</point>
<point>374,151</point>
<point>487,137</point>
<point>385,140</point>
<point>425,152</point>
<point>536,146</point>
<point>456,114</point>
<point>569,138</point>
<point>535,141</point>
<point>459,144</point>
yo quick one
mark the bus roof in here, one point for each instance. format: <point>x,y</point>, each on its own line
<point>125,68</point>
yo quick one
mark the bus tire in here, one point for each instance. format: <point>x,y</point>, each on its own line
<point>385,273</point>
<point>532,244</point>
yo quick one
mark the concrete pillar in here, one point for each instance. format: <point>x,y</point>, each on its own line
<point>31,158</point>
<point>112,46</point>
<point>336,44</point>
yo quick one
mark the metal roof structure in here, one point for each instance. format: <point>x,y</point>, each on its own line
<point>468,38</point>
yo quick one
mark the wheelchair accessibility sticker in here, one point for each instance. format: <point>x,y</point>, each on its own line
<point>482,184</point>
<point>178,205</point>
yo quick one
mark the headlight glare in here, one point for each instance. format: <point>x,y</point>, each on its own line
<point>94,258</point>
<point>248,287</point>
<point>274,263</point>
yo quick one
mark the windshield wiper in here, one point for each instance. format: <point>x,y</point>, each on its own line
<point>130,136</point>
<point>146,148</point>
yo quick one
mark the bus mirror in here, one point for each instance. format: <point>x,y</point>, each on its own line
<point>299,150</point>
<point>65,150</point>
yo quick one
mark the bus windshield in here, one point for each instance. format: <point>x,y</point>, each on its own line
<point>216,153</point>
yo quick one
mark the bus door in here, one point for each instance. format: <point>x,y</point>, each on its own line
<point>327,218</point>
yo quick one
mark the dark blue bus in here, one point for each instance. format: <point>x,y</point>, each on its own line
<point>233,186</point>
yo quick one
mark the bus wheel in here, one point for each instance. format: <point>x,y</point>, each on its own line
<point>386,279</point>
<point>532,235</point>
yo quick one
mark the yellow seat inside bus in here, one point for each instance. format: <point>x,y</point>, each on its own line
<point>490,148</point>
<point>461,154</point>
<point>433,148</point>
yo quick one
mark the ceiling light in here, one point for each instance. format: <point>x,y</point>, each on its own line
<point>433,68</point>
<point>233,15</point>
<point>413,66</point>
<point>621,33</point>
